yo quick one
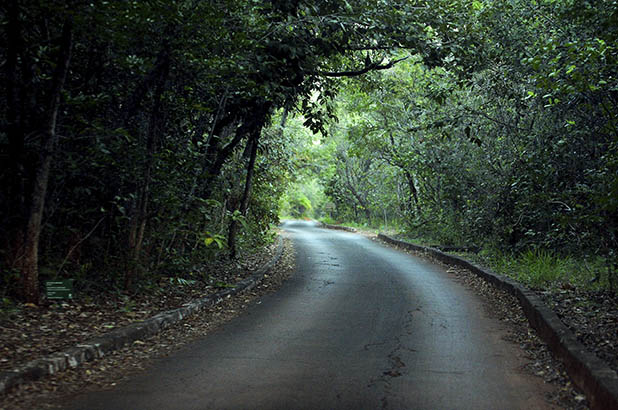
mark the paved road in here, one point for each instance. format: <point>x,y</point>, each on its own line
<point>359,326</point>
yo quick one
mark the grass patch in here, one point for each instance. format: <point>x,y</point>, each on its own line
<point>537,268</point>
<point>541,268</point>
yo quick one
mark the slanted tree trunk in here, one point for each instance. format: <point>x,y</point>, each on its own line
<point>244,202</point>
<point>413,193</point>
<point>256,113</point>
<point>29,273</point>
<point>246,196</point>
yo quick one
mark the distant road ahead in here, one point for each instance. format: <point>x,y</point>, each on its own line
<point>358,326</point>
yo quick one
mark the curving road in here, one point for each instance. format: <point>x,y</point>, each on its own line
<point>358,326</point>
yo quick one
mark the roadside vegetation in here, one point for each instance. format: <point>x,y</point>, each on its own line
<point>143,140</point>
<point>140,139</point>
<point>509,143</point>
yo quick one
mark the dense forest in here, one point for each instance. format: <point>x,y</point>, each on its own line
<point>509,142</point>
<point>139,137</point>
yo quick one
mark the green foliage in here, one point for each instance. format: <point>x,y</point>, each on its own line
<point>498,124</point>
<point>296,205</point>
<point>128,304</point>
<point>7,306</point>
<point>504,137</point>
<point>535,267</point>
<point>543,268</point>
<point>214,240</point>
<point>160,104</point>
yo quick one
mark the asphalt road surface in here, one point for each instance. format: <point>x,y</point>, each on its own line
<point>358,326</point>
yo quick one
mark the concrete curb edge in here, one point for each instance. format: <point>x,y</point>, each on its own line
<point>100,346</point>
<point>336,227</point>
<point>588,372</point>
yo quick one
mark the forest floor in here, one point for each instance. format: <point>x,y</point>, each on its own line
<point>592,315</point>
<point>29,333</point>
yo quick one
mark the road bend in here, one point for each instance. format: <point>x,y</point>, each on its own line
<point>358,326</point>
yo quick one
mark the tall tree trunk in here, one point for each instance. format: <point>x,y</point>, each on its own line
<point>140,216</point>
<point>13,187</point>
<point>29,274</point>
<point>246,196</point>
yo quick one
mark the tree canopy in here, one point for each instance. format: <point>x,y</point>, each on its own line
<point>133,134</point>
<point>509,141</point>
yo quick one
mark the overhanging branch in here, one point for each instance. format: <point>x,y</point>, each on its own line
<point>369,66</point>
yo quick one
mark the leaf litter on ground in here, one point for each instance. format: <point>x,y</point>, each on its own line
<point>23,340</point>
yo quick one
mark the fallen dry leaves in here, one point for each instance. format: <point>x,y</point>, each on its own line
<point>34,332</point>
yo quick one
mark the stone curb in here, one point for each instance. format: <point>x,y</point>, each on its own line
<point>337,227</point>
<point>100,346</point>
<point>443,248</point>
<point>593,376</point>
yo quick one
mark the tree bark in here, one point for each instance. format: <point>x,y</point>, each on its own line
<point>244,202</point>
<point>29,273</point>
<point>413,193</point>
<point>149,82</point>
<point>140,217</point>
<point>351,185</point>
<point>255,114</point>
<point>246,196</point>
<point>13,188</point>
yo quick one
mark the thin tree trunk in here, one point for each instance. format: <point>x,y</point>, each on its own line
<point>244,203</point>
<point>13,188</point>
<point>351,185</point>
<point>29,275</point>
<point>413,193</point>
<point>217,155</point>
<point>140,218</point>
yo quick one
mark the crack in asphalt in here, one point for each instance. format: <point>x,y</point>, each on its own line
<point>368,345</point>
<point>397,366</point>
